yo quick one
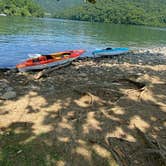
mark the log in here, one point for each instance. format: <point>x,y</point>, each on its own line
<point>49,70</point>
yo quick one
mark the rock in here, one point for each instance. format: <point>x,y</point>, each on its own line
<point>83,75</point>
<point>34,87</point>
<point>51,88</point>
<point>3,81</point>
<point>3,85</point>
<point>9,89</point>
<point>85,79</point>
<point>9,95</point>
<point>11,71</point>
<point>6,91</point>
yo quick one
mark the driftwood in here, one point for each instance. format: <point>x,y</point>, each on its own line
<point>49,70</point>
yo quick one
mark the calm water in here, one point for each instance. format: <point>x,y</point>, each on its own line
<point>22,36</point>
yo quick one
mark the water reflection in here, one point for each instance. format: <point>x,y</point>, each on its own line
<point>21,36</point>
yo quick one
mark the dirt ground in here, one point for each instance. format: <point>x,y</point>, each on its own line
<point>85,114</point>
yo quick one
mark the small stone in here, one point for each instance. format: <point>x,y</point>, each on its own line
<point>139,74</point>
<point>9,89</point>
<point>52,88</point>
<point>9,95</point>
<point>136,161</point>
<point>3,85</point>
<point>85,79</point>
<point>83,75</point>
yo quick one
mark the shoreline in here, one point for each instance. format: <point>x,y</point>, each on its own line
<point>154,52</point>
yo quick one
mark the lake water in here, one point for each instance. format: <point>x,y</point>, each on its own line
<point>22,36</point>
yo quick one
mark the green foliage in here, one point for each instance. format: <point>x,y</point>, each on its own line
<point>138,12</point>
<point>14,151</point>
<point>52,6</point>
<point>20,8</point>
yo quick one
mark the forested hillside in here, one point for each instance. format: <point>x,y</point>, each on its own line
<point>139,12</point>
<point>53,6</point>
<point>20,8</point>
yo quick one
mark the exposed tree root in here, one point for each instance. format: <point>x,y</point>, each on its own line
<point>139,85</point>
<point>119,155</point>
<point>152,148</point>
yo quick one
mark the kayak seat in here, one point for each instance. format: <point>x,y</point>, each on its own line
<point>49,57</point>
<point>42,58</point>
<point>108,48</point>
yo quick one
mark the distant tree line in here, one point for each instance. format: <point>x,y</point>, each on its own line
<point>138,12</point>
<point>21,8</point>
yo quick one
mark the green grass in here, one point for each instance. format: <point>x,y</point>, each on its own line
<point>13,151</point>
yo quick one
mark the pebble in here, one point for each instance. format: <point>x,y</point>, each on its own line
<point>9,95</point>
<point>83,75</point>
<point>146,56</point>
<point>6,91</point>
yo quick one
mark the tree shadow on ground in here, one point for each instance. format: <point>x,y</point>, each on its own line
<point>70,117</point>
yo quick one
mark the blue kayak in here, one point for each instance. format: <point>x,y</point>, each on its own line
<point>110,52</point>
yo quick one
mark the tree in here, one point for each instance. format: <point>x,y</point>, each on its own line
<point>21,8</point>
<point>147,12</point>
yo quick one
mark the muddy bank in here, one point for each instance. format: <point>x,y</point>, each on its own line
<point>86,113</point>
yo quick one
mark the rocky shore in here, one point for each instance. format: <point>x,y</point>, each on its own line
<point>88,112</point>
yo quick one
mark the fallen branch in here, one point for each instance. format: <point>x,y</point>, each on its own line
<point>49,70</point>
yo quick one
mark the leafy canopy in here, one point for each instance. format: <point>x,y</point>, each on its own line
<point>138,12</point>
<point>20,8</point>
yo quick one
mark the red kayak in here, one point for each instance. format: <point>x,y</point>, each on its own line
<point>45,61</point>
